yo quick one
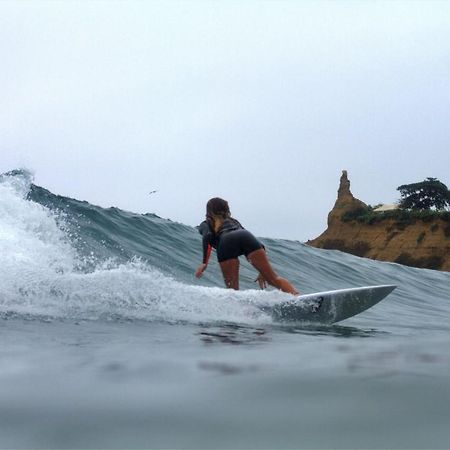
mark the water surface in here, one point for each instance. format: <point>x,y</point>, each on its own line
<point>109,341</point>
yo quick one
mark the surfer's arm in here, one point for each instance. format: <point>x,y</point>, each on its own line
<point>202,267</point>
<point>207,248</point>
<point>207,235</point>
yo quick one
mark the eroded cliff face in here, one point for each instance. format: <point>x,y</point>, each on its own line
<point>419,243</point>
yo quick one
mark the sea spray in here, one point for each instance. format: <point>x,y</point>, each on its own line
<point>43,274</point>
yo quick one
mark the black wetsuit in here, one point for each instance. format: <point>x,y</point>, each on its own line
<point>230,241</point>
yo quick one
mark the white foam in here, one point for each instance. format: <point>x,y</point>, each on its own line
<point>40,276</point>
<point>30,239</point>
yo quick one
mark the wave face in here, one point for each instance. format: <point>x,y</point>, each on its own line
<point>67,259</point>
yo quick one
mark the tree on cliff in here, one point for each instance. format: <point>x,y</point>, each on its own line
<point>430,193</point>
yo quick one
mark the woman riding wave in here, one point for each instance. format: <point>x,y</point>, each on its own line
<point>231,240</point>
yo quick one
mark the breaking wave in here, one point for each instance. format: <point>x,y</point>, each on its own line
<point>67,259</point>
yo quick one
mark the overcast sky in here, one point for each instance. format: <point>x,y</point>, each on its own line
<point>262,103</point>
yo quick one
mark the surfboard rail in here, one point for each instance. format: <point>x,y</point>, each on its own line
<point>329,306</point>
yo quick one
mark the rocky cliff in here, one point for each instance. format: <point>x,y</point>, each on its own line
<point>418,241</point>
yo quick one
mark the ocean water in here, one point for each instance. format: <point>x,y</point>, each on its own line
<point>109,341</point>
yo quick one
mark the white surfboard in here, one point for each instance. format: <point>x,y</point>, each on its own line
<point>328,307</point>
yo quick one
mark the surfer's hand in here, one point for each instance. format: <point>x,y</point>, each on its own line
<point>261,281</point>
<point>200,269</point>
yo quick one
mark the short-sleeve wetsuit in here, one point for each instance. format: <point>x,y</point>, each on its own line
<point>230,241</point>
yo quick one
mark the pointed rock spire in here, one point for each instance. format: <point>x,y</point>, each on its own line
<point>345,200</point>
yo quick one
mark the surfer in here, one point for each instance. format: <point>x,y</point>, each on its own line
<point>231,240</point>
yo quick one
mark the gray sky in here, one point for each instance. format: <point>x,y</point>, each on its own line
<point>262,103</point>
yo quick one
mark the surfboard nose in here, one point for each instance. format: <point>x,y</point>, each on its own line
<point>383,290</point>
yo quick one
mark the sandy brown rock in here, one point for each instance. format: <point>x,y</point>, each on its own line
<point>419,244</point>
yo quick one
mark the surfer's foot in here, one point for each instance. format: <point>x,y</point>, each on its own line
<point>284,285</point>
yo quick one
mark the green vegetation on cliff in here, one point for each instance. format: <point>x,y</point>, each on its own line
<point>416,203</point>
<point>402,217</point>
<point>425,195</point>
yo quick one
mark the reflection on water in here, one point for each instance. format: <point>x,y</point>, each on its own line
<point>240,334</point>
<point>233,334</point>
<point>331,330</point>
<point>225,333</point>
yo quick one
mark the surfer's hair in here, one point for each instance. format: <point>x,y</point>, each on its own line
<point>217,207</point>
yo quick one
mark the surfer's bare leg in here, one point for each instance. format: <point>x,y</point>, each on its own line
<point>260,262</point>
<point>230,272</point>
